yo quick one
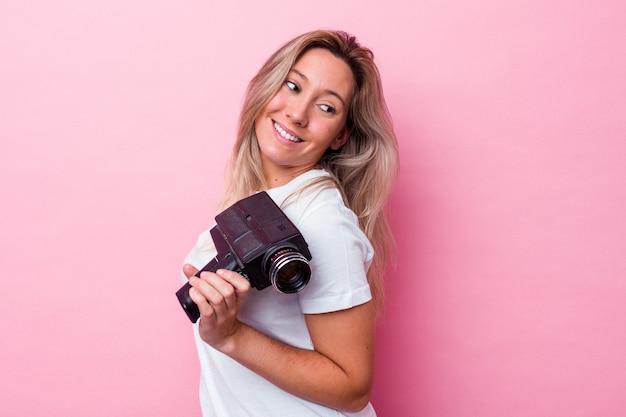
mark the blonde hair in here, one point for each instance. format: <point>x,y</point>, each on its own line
<point>364,169</point>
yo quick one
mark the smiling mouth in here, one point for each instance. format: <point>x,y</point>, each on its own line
<point>283,133</point>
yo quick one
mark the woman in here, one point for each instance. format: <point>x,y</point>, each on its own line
<point>315,134</point>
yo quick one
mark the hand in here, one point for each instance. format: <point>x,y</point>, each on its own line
<point>218,296</point>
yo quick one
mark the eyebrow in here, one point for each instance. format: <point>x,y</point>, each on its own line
<point>331,92</point>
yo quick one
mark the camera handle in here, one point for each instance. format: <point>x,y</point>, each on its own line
<point>227,262</point>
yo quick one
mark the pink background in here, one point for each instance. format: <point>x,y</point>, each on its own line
<point>509,297</point>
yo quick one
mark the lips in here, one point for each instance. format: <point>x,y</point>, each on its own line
<point>286,135</point>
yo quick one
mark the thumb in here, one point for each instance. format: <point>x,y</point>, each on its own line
<point>189,270</point>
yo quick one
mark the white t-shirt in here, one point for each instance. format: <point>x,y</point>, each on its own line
<point>341,255</point>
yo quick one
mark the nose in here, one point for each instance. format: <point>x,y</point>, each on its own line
<point>298,112</point>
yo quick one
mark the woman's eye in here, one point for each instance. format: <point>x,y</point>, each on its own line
<point>328,109</point>
<point>291,85</point>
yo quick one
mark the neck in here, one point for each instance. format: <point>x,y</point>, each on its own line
<point>282,177</point>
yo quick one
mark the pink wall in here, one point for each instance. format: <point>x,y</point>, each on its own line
<point>509,296</point>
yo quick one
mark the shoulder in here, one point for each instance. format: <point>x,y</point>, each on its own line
<point>319,204</point>
<point>316,207</point>
<point>328,225</point>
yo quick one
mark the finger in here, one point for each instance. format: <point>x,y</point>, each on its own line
<point>204,307</point>
<point>220,293</point>
<point>189,270</point>
<point>238,283</point>
<point>235,279</point>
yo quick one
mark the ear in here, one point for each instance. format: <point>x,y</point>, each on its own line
<point>341,139</point>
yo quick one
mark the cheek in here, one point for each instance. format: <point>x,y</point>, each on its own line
<point>276,103</point>
<point>270,107</point>
<point>333,130</point>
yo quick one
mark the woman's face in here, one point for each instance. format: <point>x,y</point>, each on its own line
<point>306,116</point>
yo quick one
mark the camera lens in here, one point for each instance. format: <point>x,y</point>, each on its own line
<point>288,270</point>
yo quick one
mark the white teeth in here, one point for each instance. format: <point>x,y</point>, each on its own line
<point>286,135</point>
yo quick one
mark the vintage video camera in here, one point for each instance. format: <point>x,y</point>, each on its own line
<point>254,238</point>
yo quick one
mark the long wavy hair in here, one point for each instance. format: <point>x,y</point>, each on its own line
<point>364,169</point>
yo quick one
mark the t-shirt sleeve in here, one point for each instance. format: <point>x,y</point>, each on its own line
<point>341,256</point>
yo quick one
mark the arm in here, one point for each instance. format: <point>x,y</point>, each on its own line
<point>338,373</point>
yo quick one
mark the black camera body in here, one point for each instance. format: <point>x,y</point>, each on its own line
<point>254,238</point>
